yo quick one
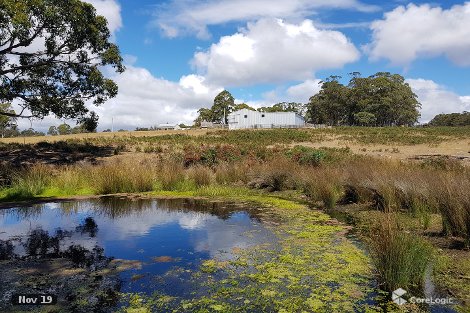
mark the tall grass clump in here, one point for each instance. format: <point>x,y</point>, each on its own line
<point>171,175</point>
<point>118,176</point>
<point>72,179</point>
<point>200,175</point>
<point>228,173</point>
<point>452,194</point>
<point>400,258</point>
<point>324,185</point>
<point>30,182</point>
<point>276,175</point>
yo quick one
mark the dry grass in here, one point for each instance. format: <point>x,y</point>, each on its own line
<point>171,174</point>
<point>278,174</point>
<point>324,184</point>
<point>121,176</point>
<point>128,134</point>
<point>231,173</point>
<point>200,175</point>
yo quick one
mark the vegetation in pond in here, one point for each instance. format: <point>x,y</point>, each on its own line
<point>313,268</point>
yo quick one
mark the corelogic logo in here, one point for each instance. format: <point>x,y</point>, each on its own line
<point>397,296</point>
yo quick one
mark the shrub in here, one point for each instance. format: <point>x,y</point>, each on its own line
<point>7,172</point>
<point>306,156</point>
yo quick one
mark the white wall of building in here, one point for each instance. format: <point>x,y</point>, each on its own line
<point>253,119</point>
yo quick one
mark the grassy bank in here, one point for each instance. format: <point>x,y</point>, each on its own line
<point>399,200</point>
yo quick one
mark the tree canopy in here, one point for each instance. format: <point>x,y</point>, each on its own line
<point>51,53</point>
<point>382,99</point>
<point>452,119</point>
<point>223,105</point>
<point>285,107</point>
<point>6,122</point>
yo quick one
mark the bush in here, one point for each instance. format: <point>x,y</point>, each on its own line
<point>306,156</point>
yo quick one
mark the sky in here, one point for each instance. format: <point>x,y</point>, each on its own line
<point>179,54</point>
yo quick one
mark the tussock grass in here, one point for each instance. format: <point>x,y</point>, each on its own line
<point>119,176</point>
<point>400,258</point>
<point>202,176</point>
<point>276,175</point>
<point>231,173</point>
<point>71,179</point>
<point>171,175</point>
<point>452,194</point>
<point>30,182</point>
<point>324,185</point>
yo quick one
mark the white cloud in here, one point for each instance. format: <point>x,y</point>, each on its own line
<point>407,33</point>
<point>303,91</point>
<point>145,100</point>
<point>436,99</point>
<point>189,16</point>
<point>271,50</point>
<point>111,10</point>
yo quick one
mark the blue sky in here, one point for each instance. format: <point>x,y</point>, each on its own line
<point>181,53</point>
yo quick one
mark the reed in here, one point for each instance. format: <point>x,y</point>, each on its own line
<point>400,258</point>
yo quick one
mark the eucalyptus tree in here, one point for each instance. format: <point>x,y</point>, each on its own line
<point>52,53</point>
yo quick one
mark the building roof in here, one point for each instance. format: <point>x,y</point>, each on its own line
<point>258,112</point>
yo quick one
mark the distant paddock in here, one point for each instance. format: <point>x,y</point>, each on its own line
<point>151,133</point>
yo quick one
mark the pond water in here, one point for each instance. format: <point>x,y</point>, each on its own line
<point>159,235</point>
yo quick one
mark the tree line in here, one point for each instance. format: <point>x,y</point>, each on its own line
<point>382,99</point>
<point>452,119</point>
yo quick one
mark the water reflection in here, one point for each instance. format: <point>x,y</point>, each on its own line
<point>180,231</point>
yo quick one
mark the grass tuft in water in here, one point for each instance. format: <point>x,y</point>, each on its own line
<point>400,258</point>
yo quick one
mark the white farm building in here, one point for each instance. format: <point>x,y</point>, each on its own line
<point>253,119</point>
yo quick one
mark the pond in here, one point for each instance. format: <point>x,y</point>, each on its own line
<point>120,244</point>
<point>136,254</point>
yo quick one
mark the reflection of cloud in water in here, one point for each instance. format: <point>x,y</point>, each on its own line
<point>195,221</point>
<point>208,232</point>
